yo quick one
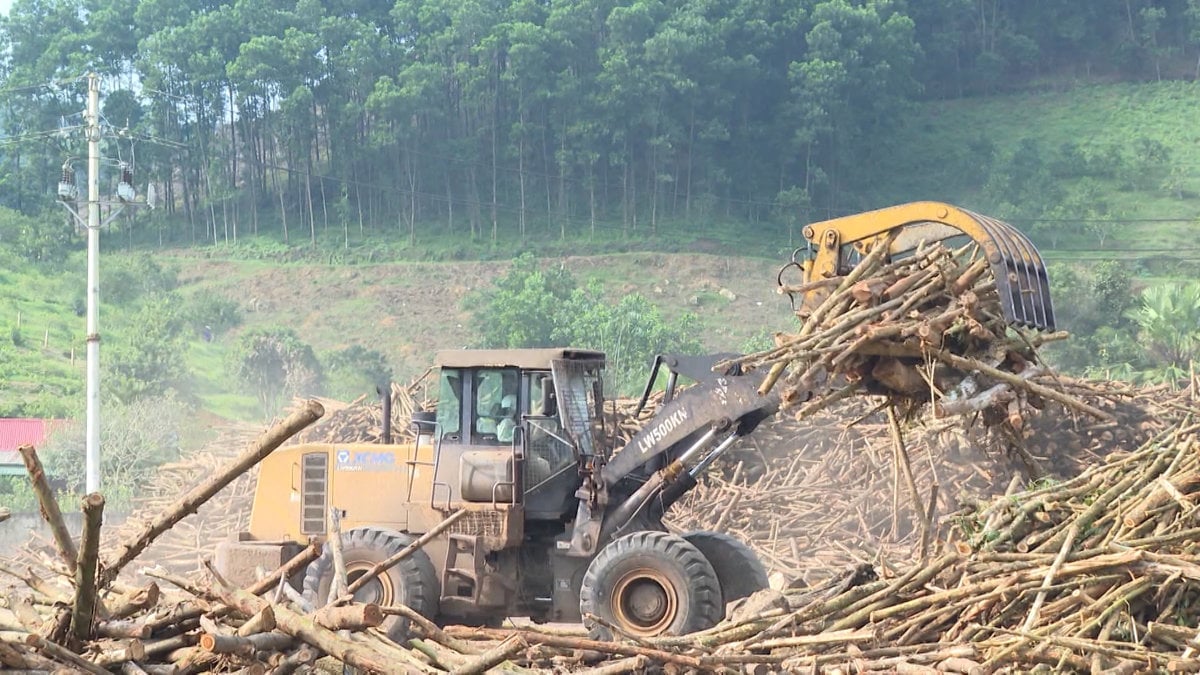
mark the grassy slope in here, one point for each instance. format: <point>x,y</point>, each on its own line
<point>35,359</point>
<point>937,137</point>
<point>409,310</point>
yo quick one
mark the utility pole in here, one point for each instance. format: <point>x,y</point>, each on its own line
<point>67,195</point>
<point>93,285</point>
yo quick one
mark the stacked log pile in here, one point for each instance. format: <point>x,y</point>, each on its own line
<point>1095,573</point>
<point>182,549</point>
<point>361,421</point>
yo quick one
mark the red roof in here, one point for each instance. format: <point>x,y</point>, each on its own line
<point>18,431</point>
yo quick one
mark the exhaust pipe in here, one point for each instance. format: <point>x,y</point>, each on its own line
<point>385,391</point>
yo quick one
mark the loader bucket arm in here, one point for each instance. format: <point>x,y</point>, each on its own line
<point>733,401</point>
<point>1021,278</point>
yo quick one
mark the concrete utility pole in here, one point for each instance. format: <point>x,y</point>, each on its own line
<point>67,195</point>
<point>93,285</point>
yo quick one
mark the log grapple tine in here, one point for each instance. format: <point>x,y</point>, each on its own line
<point>1021,277</point>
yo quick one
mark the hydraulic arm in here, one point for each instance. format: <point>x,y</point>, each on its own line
<point>691,429</point>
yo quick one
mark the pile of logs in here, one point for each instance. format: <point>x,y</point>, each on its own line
<point>181,548</point>
<point>901,535</point>
<point>1092,571</point>
<point>1096,572</point>
<point>927,328</point>
<point>815,496</point>
<point>361,421</point>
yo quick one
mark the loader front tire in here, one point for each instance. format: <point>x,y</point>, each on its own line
<point>738,568</point>
<point>647,584</point>
<point>412,581</point>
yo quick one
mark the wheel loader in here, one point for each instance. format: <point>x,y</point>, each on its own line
<point>558,523</point>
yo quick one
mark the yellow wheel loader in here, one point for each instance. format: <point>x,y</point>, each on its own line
<point>557,523</point>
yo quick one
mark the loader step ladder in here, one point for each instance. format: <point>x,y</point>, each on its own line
<point>462,545</point>
<point>413,462</point>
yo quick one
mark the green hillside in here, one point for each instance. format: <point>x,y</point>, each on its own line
<point>41,338</point>
<point>1132,149</point>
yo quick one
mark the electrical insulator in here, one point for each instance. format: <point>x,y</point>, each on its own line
<point>67,191</point>
<point>125,190</point>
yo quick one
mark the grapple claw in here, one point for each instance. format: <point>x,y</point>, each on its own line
<point>1022,281</point>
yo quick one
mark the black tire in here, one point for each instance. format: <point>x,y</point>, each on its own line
<point>650,583</point>
<point>412,581</point>
<point>738,568</point>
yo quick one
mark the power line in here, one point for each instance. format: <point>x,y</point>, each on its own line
<point>52,84</point>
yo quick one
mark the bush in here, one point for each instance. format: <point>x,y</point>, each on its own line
<point>128,278</point>
<point>1093,305</point>
<point>276,364</point>
<point>354,370</point>
<point>136,437</point>
<point>532,307</point>
<point>524,308</point>
<point>1169,321</point>
<point>37,239</point>
<point>146,358</point>
<point>216,313</point>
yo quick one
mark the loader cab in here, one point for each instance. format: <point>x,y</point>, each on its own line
<point>512,425</point>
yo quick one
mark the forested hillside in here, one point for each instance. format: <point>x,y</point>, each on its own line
<point>517,118</point>
<point>302,155</point>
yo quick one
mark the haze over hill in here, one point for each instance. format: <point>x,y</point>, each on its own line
<point>407,311</point>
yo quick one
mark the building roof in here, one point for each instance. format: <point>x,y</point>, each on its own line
<point>18,431</point>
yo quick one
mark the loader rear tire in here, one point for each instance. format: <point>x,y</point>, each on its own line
<point>738,568</point>
<point>647,584</point>
<point>413,581</point>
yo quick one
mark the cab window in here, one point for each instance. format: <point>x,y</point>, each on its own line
<point>496,409</point>
<point>449,407</point>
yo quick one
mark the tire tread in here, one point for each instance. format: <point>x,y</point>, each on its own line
<point>704,588</point>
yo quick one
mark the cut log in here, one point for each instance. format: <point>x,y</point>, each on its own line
<point>63,655</point>
<point>492,657</point>
<point>263,622</point>
<point>84,608</point>
<point>286,570</point>
<point>122,629</point>
<point>338,588</point>
<point>305,629</point>
<point>115,653</point>
<point>227,644</point>
<point>49,506</point>
<point>349,617</point>
<point>133,601</point>
<point>302,656</point>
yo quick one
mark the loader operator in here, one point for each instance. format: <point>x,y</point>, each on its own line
<point>495,388</point>
<point>507,426</point>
